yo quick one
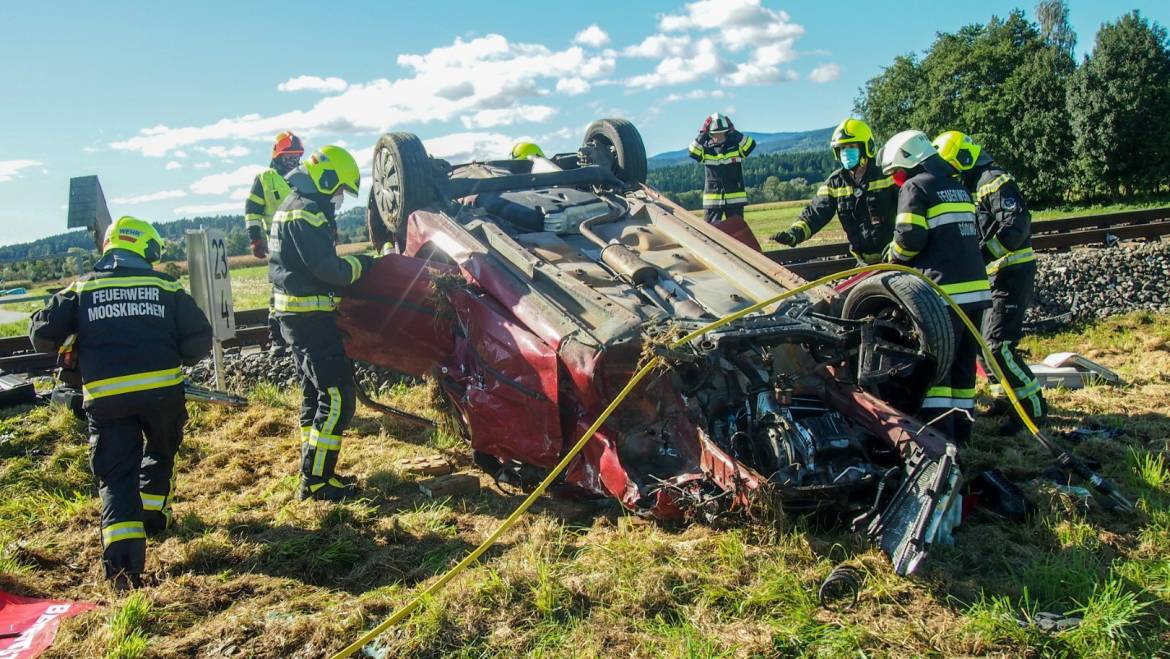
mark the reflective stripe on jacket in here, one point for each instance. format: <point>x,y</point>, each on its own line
<point>269,191</point>
<point>723,176</point>
<point>134,327</point>
<point>866,211</point>
<point>1005,225</point>
<point>935,232</point>
<point>303,264</point>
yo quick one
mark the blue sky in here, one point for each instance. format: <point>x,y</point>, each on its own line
<point>175,105</point>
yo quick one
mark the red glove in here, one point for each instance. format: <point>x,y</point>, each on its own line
<point>260,248</point>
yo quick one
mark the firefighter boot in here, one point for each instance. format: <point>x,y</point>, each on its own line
<point>327,489</point>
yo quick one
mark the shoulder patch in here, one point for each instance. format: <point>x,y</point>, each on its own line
<point>1010,203</point>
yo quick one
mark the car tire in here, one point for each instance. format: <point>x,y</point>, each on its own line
<point>378,234</point>
<point>911,302</point>
<point>403,182</point>
<point>625,145</point>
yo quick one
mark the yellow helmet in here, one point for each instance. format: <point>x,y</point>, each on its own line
<point>522,150</point>
<point>134,235</point>
<point>332,168</point>
<point>957,149</point>
<point>853,131</point>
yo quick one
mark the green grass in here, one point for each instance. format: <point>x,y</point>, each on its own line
<point>248,566</point>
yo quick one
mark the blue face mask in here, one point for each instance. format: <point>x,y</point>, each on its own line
<point>850,156</point>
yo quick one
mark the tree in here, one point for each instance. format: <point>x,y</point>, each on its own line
<point>1117,105</point>
<point>1001,83</point>
<point>1052,15</point>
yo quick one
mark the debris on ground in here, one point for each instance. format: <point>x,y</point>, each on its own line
<point>1072,371</point>
<point>451,485</point>
<point>430,465</point>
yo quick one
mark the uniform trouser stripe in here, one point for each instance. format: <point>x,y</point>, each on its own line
<point>123,531</point>
<point>319,435</point>
<point>1028,389</point>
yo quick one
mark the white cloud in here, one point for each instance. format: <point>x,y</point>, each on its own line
<point>592,36</point>
<point>202,165</point>
<point>573,86</point>
<point>240,193</point>
<point>312,84</point>
<point>179,153</point>
<point>10,169</point>
<point>225,152</point>
<point>222,183</point>
<point>464,147</point>
<point>153,196</point>
<point>678,70</point>
<point>825,73</point>
<point>508,116</point>
<point>657,46</point>
<point>459,80</point>
<point>173,165</point>
<point>209,209</point>
<point>693,95</point>
<point>727,27</point>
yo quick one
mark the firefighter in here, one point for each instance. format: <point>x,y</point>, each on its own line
<point>524,150</point>
<point>858,193</point>
<point>935,232</point>
<point>268,192</point>
<point>132,328</point>
<point>306,272</point>
<point>1005,238</point>
<point>721,149</point>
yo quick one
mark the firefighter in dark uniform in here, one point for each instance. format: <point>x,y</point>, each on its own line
<point>306,272</point>
<point>721,149</point>
<point>269,190</point>
<point>935,232</point>
<point>858,193</point>
<point>132,328</point>
<point>1005,237</point>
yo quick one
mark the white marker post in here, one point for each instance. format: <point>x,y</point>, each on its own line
<point>211,286</point>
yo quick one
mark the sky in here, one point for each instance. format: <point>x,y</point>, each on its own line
<point>175,105</point>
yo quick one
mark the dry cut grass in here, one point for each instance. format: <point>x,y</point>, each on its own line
<point>250,571</point>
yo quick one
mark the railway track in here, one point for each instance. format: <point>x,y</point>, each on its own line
<point>1047,236</point>
<point>17,355</point>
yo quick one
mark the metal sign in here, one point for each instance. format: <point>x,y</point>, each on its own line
<point>87,207</point>
<point>211,284</point>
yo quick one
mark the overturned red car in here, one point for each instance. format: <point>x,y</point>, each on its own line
<point>532,290</point>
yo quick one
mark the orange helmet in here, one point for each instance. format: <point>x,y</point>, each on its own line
<point>287,143</point>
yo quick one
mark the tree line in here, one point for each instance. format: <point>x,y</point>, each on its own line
<point>1067,131</point>
<point>68,254</point>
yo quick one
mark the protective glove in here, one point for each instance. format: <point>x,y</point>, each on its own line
<point>260,248</point>
<point>888,255</point>
<point>785,238</point>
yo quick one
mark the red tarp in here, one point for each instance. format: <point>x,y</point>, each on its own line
<point>27,625</point>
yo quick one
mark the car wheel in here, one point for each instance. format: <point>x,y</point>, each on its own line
<point>403,183</point>
<point>375,228</point>
<point>917,319</point>
<point>624,143</point>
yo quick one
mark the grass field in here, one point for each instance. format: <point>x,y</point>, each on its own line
<point>249,571</point>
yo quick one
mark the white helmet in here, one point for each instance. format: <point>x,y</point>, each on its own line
<point>906,150</point>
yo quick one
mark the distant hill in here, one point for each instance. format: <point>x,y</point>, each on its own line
<point>809,140</point>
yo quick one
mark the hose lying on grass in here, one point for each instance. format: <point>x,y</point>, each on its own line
<point>1063,457</point>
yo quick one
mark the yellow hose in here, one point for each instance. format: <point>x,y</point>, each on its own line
<point>401,613</point>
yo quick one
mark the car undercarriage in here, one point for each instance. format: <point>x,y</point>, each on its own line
<point>532,290</point>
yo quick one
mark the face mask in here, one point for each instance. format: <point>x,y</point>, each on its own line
<point>850,156</point>
<point>899,177</point>
<point>338,200</point>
